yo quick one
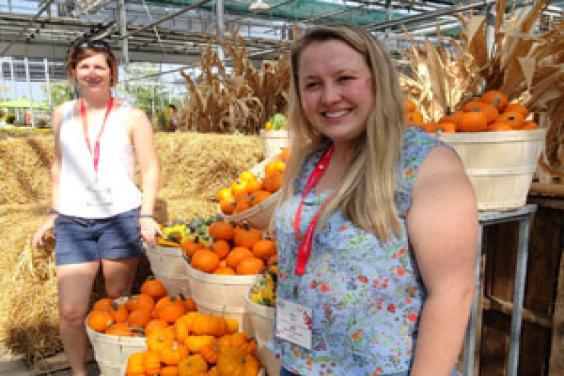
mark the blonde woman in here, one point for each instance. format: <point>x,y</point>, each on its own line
<point>377,229</point>
<point>98,214</point>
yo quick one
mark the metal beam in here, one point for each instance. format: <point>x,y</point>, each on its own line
<point>30,22</point>
<point>429,15</point>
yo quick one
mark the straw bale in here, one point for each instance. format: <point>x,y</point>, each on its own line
<point>193,167</point>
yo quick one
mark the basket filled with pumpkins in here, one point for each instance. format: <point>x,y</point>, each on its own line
<point>222,271</point>
<point>253,195</point>
<point>498,142</point>
<point>119,327</point>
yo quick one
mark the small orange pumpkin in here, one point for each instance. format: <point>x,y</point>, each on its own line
<point>224,270</point>
<point>517,107</point>
<point>236,255</point>
<point>192,245</point>
<point>446,127</point>
<point>264,248</point>
<point>273,182</point>
<point>170,308</point>
<point>529,125</point>
<point>250,265</point>
<point>473,121</point>
<point>514,119</point>
<point>192,365</point>
<point>410,105</point>
<point>139,317</point>
<point>487,109</point>
<point>414,118</point>
<point>221,248</point>
<point>496,98</point>
<point>99,321</point>
<point>140,301</point>
<point>221,230</point>
<point>154,288</point>
<point>205,260</point>
<point>246,236</point>
<point>153,325</point>
<point>119,329</point>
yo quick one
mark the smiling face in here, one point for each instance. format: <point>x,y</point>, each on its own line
<point>336,89</point>
<point>93,74</point>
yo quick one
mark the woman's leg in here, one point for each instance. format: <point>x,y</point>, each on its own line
<point>119,275</point>
<point>74,283</point>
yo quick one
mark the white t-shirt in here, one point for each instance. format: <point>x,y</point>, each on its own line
<point>81,194</point>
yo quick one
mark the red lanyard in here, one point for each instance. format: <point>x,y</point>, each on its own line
<point>96,152</point>
<point>307,240</point>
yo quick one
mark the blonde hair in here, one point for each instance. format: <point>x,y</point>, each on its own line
<point>366,196</point>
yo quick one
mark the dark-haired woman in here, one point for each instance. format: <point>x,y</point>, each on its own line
<point>99,215</point>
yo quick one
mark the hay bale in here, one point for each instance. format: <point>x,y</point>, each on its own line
<point>193,167</point>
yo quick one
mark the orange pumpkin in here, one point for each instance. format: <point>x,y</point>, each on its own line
<point>446,127</point>
<point>264,248</point>
<point>170,308</point>
<point>473,121</point>
<point>451,117</point>
<point>410,105</point>
<point>242,204</point>
<point>414,118</point>
<point>499,126</point>
<point>119,329</point>
<point>236,362</point>
<point>139,317</point>
<point>153,325</point>
<point>205,260</point>
<point>193,244</point>
<point>119,312</point>
<point>221,248</point>
<point>135,364</point>
<point>246,236</point>
<point>104,304</point>
<point>514,119</point>
<point>257,197</point>
<point>195,343</point>
<point>529,125</point>
<point>517,107</point>
<point>224,194</point>
<point>274,166</point>
<point>221,230</point>
<point>236,255</point>
<point>192,365</point>
<point>172,354</point>
<point>237,187</point>
<point>210,352</point>
<point>190,304</point>
<point>140,301</point>
<point>490,111</point>
<point>160,338</point>
<point>99,321</point>
<point>169,371</point>
<point>273,182</point>
<point>250,265</point>
<point>496,98</point>
<point>152,363</point>
<point>154,288</point>
<point>227,206</point>
<point>224,270</point>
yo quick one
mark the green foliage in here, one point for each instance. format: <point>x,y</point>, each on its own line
<point>9,118</point>
<point>60,92</point>
<point>277,122</point>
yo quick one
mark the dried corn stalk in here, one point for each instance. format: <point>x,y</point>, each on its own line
<point>238,99</point>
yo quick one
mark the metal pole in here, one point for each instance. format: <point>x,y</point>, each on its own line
<point>388,16</point>
<point>48,82</point>
<point>30,91</point>
<point>220,28</point>
<point>124,44</point>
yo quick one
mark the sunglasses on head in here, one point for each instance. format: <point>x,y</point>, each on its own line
<point>83,44</point>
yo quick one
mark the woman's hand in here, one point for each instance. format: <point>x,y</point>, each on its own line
<point>45,226</point>
<point>149,229</point>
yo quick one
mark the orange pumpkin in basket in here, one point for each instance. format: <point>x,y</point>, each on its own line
<point>191,245</point>
<point>172,354</point>
<point>409,105</point>
<point>224,270</point>
<point>140,301</point>
<point>227,206</point>
<point>250,265</point>
<point>135,364</point>
<point>119,329</point>
<point>473,121</point>
<point>446,127</point>
<point>264,248</point>
<point>192,365</point>
<point>274,166</point>
<point>237,362</point>
<point>246,236</point>
<point>224,194</point>
<point>451,117</point>
<point>152,363</point>
<point>99,321</point>
<point>221,230</point>
<point>153,325</point>
<point>119,312</point>
<point>273,182</point>
<point>514,119</point>
<point>496,98</point>
<point>487,109</point>
<point>414,118</point>
<point>236,255</point>
<point>169,371</point>
<point>154,288</point>
<point>104,304</point>
<point>221,248</point>
<point>139,318</point>
<point>529,125</point>
<point>205,260</point>
<point>258,196</point>
<point>170,308</point>
<point>517,107</point>
<point>190,305</point>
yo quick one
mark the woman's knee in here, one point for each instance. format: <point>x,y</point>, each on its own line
<point>72,314</point>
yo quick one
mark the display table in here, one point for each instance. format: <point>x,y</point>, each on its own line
<point>524,216</point>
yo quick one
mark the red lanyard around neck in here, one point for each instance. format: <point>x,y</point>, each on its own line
<point>96,152</point>
<point>307,240</point>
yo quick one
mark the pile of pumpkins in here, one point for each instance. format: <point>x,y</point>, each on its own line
<point>139,314</point>
<point>233,250</point>
<point>489,112</point>
<point>196,345</point>
<point>251,188</point>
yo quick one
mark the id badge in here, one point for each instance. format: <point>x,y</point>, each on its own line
<point>294,323</point>
<point>98,195</point>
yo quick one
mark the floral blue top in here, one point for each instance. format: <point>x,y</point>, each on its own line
<point>366,295</point>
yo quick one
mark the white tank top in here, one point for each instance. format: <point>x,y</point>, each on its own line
<point>114,191</point>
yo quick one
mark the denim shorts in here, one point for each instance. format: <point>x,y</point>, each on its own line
<point>80,240</point>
